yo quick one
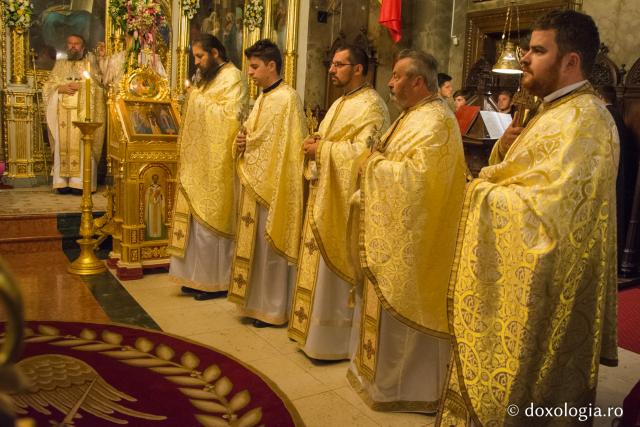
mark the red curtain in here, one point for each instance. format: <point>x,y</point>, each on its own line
<point>391,17</point>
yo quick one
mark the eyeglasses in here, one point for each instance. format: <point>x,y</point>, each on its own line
<point>339,64</point>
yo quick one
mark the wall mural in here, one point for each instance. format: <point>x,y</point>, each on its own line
<point>54,20</point>
<point>222,19</point>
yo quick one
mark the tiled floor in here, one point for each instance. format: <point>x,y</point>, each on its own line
<point>319,391</point>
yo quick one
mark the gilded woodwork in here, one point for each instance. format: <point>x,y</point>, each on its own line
<point>250,37</point>
<point>291,50</point>
<point>3,85</point>
<point>18,55</point>
<point>20,73</point>
<point>25,157</point>
<point>3,50</point>
<point>134,159</point>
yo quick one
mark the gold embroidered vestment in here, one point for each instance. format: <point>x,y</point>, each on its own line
<point>410,205</point>
<point>270,172</point>
<point>206,175</point>
<point>344,134</point>
<point>533,289</point>
<point>70,108</point>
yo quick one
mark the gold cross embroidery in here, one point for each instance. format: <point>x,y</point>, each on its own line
<point>179,234</point>
<point>311,246</point>
<point>247,219</point>
<point>239,280</point>
<point>63,125</point>
<point>74,163</point>
<point>369,349</point>
<point>302,316</point>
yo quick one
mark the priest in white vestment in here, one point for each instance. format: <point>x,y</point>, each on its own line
<point>65,97</point>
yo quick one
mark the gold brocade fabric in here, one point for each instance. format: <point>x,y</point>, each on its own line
<point>72,107</point>
<point>411,200</point>
<point>533,289</point>
<point>210,125</point>
<point>271,166</point>
<point>344,134</point>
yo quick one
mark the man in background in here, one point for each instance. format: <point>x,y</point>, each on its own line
<point>65,96</point>
<point>445,87</point>
<point>504,102</point>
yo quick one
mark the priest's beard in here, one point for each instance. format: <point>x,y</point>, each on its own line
<point>542,82</point>
<point>208,72</point>
<point>74,55</point>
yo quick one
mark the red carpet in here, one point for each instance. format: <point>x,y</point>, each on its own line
<point>629,319</point>
<point>98,375</point>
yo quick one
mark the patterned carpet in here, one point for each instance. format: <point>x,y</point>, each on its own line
<point>92,374</point>
<point>629,319</point>
<point>42,200</point>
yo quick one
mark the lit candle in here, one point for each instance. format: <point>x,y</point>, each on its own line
<point>87,96</point>
<point>187,83</point>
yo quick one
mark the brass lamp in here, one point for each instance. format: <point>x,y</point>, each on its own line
<point>509,60</point>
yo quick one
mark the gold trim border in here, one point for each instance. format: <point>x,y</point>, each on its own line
<point>289,406</point>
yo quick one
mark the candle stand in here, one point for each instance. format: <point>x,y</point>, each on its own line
<point>87,263</point>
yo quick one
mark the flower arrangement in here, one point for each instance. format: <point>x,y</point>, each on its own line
<point>18,13</point>
<point>190,8</point>
<point>140,18</point>
<point>253,13</point>
<point>143,18</point>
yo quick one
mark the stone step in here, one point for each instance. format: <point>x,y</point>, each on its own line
<point>31,233</point>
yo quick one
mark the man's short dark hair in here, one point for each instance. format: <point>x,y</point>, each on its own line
<point>266,51</point>
<point>84,42</point>
<point>209,42</point>
<point>575,32</point>
<point>443,78</point>
<point>506,92</point>
<point>357,56</point>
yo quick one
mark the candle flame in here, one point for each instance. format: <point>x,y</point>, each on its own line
<point>187,83</point>
<point>86,74</point>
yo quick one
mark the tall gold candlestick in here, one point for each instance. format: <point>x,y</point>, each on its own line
<point>87,96</point>
<point>87,263</point>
